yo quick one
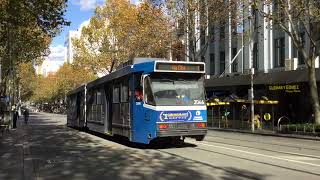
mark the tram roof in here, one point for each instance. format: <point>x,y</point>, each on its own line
<point>76,90</point>
<point>146,65</point>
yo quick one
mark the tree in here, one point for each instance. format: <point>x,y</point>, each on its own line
<point>194,20</point>
<point>119,31</point>
<point>69,77</point>
<point>56,86</point>
<point>26,29</point>
<point>299,19</point>
<point>27,80</point>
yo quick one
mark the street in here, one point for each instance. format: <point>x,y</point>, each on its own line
<point>47,149</point>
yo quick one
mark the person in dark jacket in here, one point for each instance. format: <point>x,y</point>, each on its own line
<point>15,118</point>
<point>26,116</point>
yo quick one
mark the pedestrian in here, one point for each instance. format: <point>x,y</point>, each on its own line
<point>26,116</point>
<point>15,117</point>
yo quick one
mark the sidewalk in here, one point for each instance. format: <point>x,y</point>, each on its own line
<point>13,153</point>
<point>267,133</point>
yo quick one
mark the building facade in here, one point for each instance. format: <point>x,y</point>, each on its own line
<point>69,45</point>
<point>280,72</point>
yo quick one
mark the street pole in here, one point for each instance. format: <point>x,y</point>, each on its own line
<point>251,43</point>
<point>251,99</point>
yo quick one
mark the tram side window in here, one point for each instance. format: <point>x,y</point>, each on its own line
<point>138,88</point>
<point>148,95</point>
<point>124,93</point>
<point>116,94</point>
<point>98,98</point>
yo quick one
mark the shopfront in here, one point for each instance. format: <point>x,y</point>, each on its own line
<point>276,95</point>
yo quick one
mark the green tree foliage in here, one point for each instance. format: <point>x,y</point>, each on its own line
<point>56,86</point>
<point>119,31</point>
<point>27,80</point>
<point>26,29</point>
<point>197,19</point>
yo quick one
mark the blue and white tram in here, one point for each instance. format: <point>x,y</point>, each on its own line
<point>149,99</point>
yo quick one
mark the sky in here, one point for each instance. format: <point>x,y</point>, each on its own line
<point>78,13</point>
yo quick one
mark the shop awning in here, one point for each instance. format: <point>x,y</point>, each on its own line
<point>281,77</point>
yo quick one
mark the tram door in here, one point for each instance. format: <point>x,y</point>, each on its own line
<point>106,116</point>
<point>121,107</point>
<point>107,110</point>
<point>125,107</point>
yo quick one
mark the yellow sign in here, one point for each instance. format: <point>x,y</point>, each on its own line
<point>293,88</point>
<point>267,116</point>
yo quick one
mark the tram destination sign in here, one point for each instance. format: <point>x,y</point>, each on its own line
<point>179,67</point>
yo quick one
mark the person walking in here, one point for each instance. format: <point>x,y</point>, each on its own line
<point>15,117</point>
<point>26,116</point>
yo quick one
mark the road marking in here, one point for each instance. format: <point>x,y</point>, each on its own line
<point>258,154</point>
<point>273,142</point>
<point>299,158</point>
<point>313,157</point>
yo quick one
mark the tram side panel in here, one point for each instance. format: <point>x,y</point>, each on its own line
<point>143,125</point>
<point>72,110</point>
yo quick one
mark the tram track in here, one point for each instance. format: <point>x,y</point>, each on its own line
<point>265,149</point>
<point>256,161</point>
<point>235,173</point>
<point>266,143</point>
<point>276,164</point>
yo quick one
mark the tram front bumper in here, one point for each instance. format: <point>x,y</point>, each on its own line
<point>188,132</point>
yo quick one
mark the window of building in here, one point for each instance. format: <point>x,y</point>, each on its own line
<point>235,62</point>
<point>203,36</point>
<point>116,94</point>
<point>279,52</point>
<point>212,64</point>
<point>222,31</point>
<point>222,61</point>
<point>211,33</point>
<point>296,53</point>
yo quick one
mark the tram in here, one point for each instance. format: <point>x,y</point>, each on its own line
<point>145,100</point>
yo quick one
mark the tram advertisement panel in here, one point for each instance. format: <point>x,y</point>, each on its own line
<point>182,116</point>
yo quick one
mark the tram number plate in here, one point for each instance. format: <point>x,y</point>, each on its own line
<point>182,126</point>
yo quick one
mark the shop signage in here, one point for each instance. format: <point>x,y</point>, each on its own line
<point>288,88</point>
<point>267,116</point>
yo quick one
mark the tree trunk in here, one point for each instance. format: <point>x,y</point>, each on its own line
<point>314,94</point>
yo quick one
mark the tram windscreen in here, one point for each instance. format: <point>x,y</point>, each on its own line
<point>175,89</point>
